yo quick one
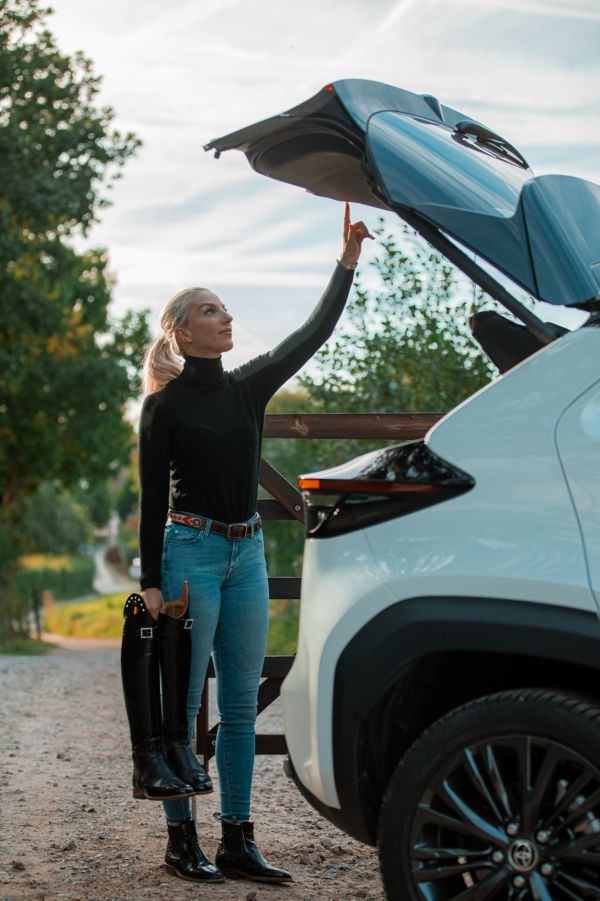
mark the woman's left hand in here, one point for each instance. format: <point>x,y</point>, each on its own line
<point>353,237</point>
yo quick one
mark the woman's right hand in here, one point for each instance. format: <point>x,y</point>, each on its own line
<point>354,235</point>
<point>154,601</point>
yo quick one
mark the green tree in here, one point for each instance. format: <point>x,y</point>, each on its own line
<point>128,497</point>
<point>54,523</point>
<point>284,538</point>
<point>96,498</point>
<point>403,345</point>
<point>406,344</point>
<point>67,366</point>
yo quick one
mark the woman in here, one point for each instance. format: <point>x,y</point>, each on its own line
<point>202,426</point>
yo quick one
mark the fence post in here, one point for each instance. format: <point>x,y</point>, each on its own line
<point>36,612</point>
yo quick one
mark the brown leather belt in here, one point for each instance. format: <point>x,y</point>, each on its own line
<point>230,530</point>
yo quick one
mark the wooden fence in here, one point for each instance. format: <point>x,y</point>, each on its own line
<point>285,504</point>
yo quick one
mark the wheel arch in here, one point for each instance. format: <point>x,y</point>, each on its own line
<point>422,657</point>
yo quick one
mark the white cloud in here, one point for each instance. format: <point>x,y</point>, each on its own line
<point>182,74</point>
<point>579,9</point>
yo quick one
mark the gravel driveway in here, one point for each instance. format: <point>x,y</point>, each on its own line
<point>70,828</point>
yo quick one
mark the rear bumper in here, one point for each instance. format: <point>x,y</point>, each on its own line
<point>342,586</point>
<point>398,639</point>
<point>340,818</point>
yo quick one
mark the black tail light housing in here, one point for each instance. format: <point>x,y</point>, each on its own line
<point>380,485</point>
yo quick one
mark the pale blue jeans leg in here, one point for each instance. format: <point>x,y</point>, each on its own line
<point>229,602</point>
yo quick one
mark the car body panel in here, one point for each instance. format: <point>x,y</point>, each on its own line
<point>515,535</point>
<point>578,441</point>
<point>375,144</point>
<point>342,587</point>
<point>419,651</point>
<point>504,436</point>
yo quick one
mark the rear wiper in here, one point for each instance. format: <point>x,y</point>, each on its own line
<point>496,142</point>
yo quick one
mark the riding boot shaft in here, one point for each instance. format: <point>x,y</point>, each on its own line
<point>153,778</point>
<point>175,664</point>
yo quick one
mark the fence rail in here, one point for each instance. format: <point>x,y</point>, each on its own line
<point>285,503</point>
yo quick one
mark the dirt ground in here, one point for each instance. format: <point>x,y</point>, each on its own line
<point>70,828</point>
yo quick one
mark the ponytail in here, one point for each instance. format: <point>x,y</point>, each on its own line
<point>162,361</point>
<point>160,364</point>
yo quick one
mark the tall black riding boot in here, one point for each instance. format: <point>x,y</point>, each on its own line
<point>238,855</point>
<point>175,662</point>
<point>152,776</point>
<point>185,856</point>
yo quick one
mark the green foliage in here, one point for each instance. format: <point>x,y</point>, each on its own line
<point>103,618</point>
<point>406,346</point>
<point>27,647</point>
<point>56,144</point>
<point>99,618</point>
<point>127,499</point>
<point>127,540</point>
<point>65,575</point>
<point>403,345</point>
<point>284,539</point>
<point>96,499</point>
<point>54,523</point>
<point>64,393</point>
<point>283,630</point>
<point>67,367</point>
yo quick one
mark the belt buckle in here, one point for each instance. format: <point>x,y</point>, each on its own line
<point>145,630</point>
<point>188,624</point>
<point>237,525</point>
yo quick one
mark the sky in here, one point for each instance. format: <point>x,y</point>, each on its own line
<point>181,73</point>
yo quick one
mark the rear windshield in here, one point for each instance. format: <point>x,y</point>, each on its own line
<point>423,162</point>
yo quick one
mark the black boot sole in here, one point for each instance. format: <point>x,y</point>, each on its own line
<point>240,874</point>
<point>204,879</point>
<point>140,793</point>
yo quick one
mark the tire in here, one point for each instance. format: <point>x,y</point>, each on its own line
<point>498,799</point>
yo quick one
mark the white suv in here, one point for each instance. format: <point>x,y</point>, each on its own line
<point>444,702</point>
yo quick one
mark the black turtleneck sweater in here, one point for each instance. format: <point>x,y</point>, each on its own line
<point>200,435</point>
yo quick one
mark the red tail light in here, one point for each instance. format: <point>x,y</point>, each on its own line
<point>377,486</point>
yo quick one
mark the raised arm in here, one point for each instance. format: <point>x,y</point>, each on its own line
<point>267,372</point>
<point>154,472</point>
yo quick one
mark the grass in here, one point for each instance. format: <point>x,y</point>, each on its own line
<point>39,562</point>
<point>283,628</point>
<point>99,618</point>
<point>27,646</point>
<point>103,618</point>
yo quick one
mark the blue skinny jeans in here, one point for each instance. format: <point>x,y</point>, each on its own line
<point>229,602</point>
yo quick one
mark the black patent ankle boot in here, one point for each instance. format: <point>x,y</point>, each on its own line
<point>185,856</point>
<point>238,855</point>
<point>153,778</point>
<point>175,661</point>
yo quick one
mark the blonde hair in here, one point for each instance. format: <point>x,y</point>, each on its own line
<point>162,361</point>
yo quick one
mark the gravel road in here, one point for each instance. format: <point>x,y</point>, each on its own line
<point>70,828</point>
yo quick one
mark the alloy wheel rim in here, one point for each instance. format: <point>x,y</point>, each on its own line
<point>515,816</point>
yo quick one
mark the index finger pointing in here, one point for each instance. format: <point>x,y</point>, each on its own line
<point>347,221</point>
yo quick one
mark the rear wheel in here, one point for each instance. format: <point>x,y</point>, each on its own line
<point>499,799</point>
